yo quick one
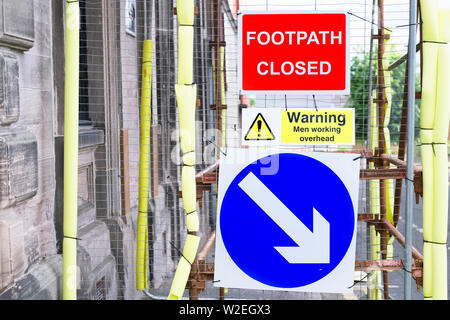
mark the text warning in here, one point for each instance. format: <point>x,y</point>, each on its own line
<point>307,126</point>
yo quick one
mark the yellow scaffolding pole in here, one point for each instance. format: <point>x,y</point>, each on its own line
<point>374,189</point>
<point>440,163</point>
<point>71,100</point>
<point>223,96</point>
<point>389,194</point>
<point>434,125</point>
<point>144,167</point>
<point>186,94</point>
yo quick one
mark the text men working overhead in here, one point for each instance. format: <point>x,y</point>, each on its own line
<point>294,52</point>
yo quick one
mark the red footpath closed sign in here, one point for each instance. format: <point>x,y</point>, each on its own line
<point>289,52</point>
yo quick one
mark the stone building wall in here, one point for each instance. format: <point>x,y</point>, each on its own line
<point>32,142</point>
<point>27,159</point>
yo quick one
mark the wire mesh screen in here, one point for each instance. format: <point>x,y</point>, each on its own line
<point>112,56</point>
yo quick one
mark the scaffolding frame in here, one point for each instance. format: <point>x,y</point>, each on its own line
<point>412,265</point>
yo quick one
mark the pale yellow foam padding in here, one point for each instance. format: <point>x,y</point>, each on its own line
<point>144,167</point>
<point>69,269</point>
<point>444,25</point>
<point>429,78</point>
<point>188,190</point>
<point>179,280</point>
<point>440,163</point>
<point>185,12</point>
<point>184,267</point>
<point>429,12</point>
<point>185,54</point>
<point>428,190</point>
<point>186,93</point>
<point>429,26</point>
<point>374,188</point>
<point>427,271</point>
<point>71,100</point>
<point>440,132</point>
<point>440,218</point>
<point>186,100</point>
<point>440,272</point>
<point>189,159</point>
<point>190,248</point>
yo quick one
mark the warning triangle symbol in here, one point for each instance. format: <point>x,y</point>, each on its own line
<point>259,130</point>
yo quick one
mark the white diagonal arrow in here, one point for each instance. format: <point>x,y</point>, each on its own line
<point>313,247</point>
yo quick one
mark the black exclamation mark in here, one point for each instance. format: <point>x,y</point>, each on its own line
<point>259,128</point>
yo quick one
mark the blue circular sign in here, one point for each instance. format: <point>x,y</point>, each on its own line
<point>302,184</point>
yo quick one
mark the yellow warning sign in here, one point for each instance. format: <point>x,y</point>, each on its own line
<point>259,130</point>
<point>310,126</point>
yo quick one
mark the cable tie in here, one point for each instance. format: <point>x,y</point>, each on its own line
<point>186,153</point>
<point>358,281</point>
<point>362,156</point>
<point>315,103</point>
<point>408,25</point>
<point>408,179</point>
<point>406,270</point>
<point>181,253</point>
<point>435,242</point>
<point>438,42</point>
<point>71,238</point>
<point>432,146</point>
<point>404,267</point>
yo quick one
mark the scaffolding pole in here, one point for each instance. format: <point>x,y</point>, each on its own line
<point>71,111</point>
<point>410,145</point>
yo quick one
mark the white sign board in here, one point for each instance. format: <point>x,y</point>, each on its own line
<point>286,221</point>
